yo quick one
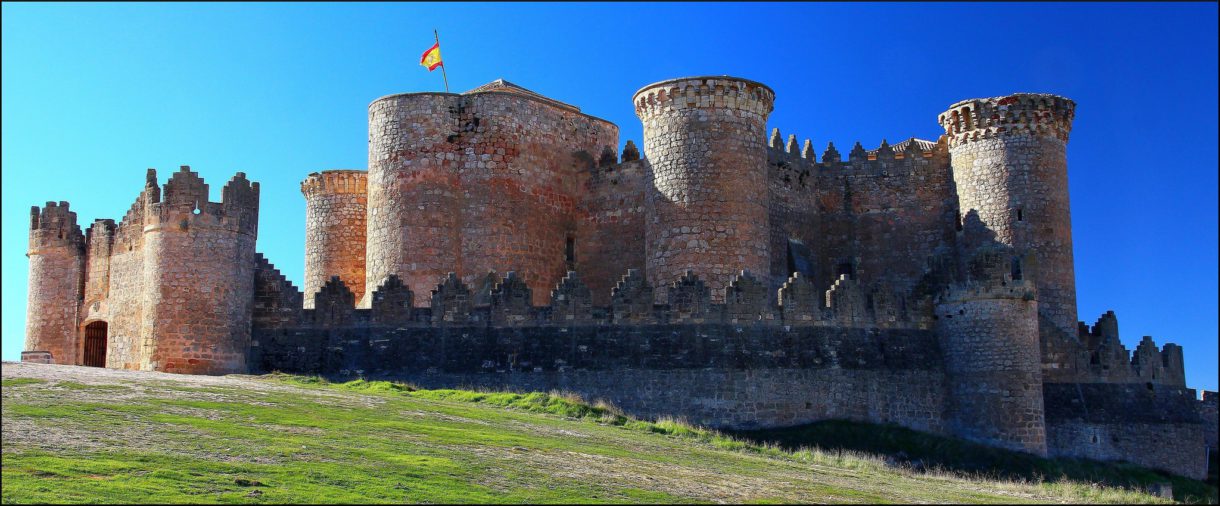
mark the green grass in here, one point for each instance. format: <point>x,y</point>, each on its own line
<point>968,458</point>
<point>299,439</point>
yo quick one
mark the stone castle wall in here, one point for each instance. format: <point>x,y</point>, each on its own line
<point>715,374</point>
<point>1156,426</point>
<point>610,239</point>
<point>474,183</point>
<point>878,216</point>
<point>336,204</point>
<point>704,138</point>
<point>121,303</point>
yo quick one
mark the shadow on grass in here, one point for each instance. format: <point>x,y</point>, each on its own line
<point>916,449</point>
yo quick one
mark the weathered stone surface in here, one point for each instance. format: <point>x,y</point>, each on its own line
<point>335,206</point>
<point>924,283</point>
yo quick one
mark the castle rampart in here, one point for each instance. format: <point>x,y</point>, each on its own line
<point>336,204</point>
<point>1142,424</point>
<point>703,137</point>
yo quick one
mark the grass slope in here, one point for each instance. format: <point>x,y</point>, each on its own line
<point>70,436</point>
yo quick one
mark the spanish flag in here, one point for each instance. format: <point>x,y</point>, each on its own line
<point>432,57</point>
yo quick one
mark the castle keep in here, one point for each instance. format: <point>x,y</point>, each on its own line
<point>500,240</point>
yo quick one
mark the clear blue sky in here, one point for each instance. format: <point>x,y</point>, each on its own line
<point>94,94</point>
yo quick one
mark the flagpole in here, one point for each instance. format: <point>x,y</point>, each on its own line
<point>443,74</point>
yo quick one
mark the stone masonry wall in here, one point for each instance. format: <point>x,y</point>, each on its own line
<point>1209,412</point>
<point>1155,426</point>
<point>716,374</point>
<point>56,255</point>
<point>1009,162</point>
<point>610,239</point>
<point>335,205</point>
<point>705,140</point>
<point>123,307</point>
<point>879,217</point>
<point>476,182</point>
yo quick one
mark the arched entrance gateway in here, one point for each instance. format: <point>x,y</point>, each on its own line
<point>95,345</point>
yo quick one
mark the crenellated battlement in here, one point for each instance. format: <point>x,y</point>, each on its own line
<point>909,155</point>
<point>335,182</point>
<point>703,92</point>
<point>183,202</point>
<point>54,225</point>
<point>1036,114</point>
<point>506,302</point>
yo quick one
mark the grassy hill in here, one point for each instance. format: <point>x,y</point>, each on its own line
<point>75,434</point>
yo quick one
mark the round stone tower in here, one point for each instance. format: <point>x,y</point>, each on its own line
<point>335,206</point>
<point>1010,167</point>
<point>198,276</point>
<point>414,216</point>
<point>57,264</point>
<point>707,211</point>
<point>988,328</point>
<point>488,180</point>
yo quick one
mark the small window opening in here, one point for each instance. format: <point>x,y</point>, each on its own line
<point>1020,215</point>
<point>1016,269</point>
<point>1149,385</point>
<point>569,253</point>
<point>1094,438</point>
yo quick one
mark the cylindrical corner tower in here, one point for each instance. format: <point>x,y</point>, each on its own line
<point>707,211</point>
<point>57,262</point>
<point>335,206</point>
<point>1010,167</point>
<point>989,338</point>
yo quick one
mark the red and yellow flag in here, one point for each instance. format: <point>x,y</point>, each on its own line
<point>432,57</point>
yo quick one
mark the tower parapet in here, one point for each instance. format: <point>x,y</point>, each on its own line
<point>1019,114</point>
<point>1009,163</point>
<point>705,140</point>
<point>57,256</point>
<point>335,209</point>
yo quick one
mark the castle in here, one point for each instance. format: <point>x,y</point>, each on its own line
<point>499,240</point>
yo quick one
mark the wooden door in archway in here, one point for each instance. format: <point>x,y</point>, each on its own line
<point>95,344</point>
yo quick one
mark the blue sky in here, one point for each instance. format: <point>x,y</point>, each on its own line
<point>94,94</point>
